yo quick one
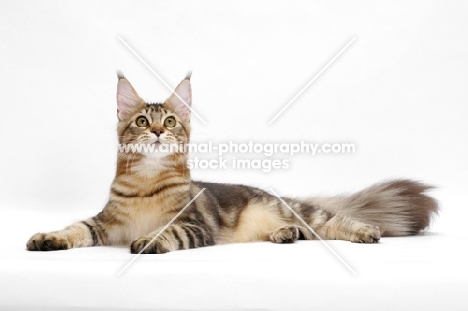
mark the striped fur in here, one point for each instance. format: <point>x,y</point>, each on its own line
<point>149,189</point>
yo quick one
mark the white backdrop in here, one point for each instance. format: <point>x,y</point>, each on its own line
<point>398,92</point>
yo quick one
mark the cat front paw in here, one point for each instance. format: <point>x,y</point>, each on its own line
<point>367,234</point>
<point>47,242</point>
<point>146,245</point>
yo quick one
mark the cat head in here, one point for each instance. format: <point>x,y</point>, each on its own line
<point>153,127</point>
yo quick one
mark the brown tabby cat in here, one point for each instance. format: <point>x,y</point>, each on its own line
<point>149,189</point>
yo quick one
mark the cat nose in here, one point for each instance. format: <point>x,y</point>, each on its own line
<point>157,132</point>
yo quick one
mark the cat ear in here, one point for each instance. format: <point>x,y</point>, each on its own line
<point>127,98</point>
<point>181,100</point>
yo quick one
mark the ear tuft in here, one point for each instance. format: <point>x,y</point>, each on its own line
<point>120,75</point>
<point>127,98</point>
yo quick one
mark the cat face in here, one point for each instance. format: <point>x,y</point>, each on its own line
<point>157,129</point>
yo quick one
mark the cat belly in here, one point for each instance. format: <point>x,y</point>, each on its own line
<point>255,223</point>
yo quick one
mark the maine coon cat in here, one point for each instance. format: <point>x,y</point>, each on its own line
<point>149,189</point>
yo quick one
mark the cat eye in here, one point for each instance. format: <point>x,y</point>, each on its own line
<point>170,122</point>
<point>141,121</point>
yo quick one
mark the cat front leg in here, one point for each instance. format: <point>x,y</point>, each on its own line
<point>175,237</point>
<point>81,234</point>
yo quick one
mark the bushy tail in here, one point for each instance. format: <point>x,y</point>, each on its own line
<point>397,207</point>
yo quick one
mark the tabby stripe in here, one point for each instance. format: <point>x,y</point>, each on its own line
<point>212,202</point>
<point>281,209</point>
<point>121,194</point>
<point>288,214</point>
<point>200,237</point>
<point>126,128</point>
<point>167,176</point>
<point>93,233</point>
<point>197,217</point>
<point>101,234</point>
<point>165,187</point>
<point>305,211</point>
<point>124,183</point>
<point>328,215</point>
<point>190,237</point>
<point>209,238</point>
<point>180,243</point>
